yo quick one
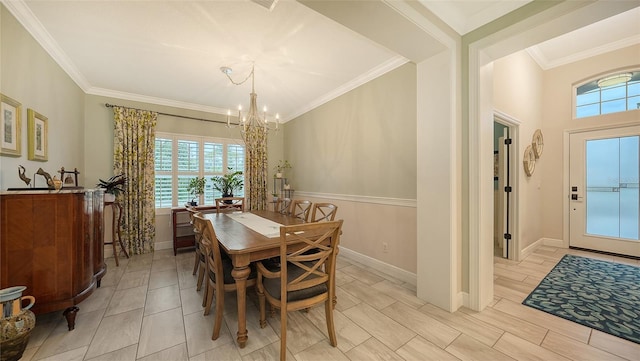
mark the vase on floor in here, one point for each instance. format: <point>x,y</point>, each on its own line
<point>16,323</point>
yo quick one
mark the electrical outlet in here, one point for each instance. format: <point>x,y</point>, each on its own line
<point>385,247</point>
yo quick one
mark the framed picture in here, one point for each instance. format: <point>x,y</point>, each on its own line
<point>37,128</point>
<point>10,111</point>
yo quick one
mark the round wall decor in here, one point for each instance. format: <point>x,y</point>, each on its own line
<point>538,143</point>
<point>529,161</point>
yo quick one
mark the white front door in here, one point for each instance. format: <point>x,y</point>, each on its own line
<point>604,204</point>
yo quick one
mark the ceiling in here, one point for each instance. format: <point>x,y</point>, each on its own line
<point>170,52</point>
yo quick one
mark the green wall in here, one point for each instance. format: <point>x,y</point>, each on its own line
<point>30,76</point>
<point>362,143</point>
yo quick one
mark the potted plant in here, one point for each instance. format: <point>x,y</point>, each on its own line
<point>281,167</point>
<point>196,187</point>
<point>275,196</point>
<point>229,182</point>
<point>112,186</point>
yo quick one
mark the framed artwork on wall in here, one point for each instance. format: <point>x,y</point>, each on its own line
<point>37,129</point>
<point>537,143</point>
<point>10,115</point>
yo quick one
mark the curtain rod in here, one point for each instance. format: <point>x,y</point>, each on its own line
<point>172,115</point>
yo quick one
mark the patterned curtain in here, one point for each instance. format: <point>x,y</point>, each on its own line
<point>255,140</point>
<point>133,156</point>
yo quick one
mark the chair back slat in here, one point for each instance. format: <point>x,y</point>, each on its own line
<point>210,247</point>
<point>323,212</point>
<point>230,204</point>
<point>283,205</point>
<point>301,209</point>
<point>197,233</point>
<point>315,250</point>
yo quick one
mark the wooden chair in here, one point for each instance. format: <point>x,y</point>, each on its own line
<point>323,212</point>
<point>219,278</point>
<point>199,260</point>
<point>300,209</point>
<point>307,279</point>
<point>230,204</point>
<point>283,205</point>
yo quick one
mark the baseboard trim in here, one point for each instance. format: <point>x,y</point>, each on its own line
<point>530,249</point>
<point>463,300</point>
<point>163,245</point>
<point>380,266</point>
<point>554,242</point>
<point>541,242</point>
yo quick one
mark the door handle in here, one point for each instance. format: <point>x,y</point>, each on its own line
<point>575,197</point>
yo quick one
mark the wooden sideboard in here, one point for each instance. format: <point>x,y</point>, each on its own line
<point>52,243</point>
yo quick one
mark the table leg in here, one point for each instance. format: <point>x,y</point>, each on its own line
<point>240,273</point>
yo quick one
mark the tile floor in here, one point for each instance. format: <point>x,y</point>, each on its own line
<point>148,309</point>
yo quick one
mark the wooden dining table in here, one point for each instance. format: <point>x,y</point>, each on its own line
<point>244,246</point>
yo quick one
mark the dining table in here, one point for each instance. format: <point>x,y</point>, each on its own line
<point>248,237</point>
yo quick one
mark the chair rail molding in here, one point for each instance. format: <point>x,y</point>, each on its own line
<point>400,202</point>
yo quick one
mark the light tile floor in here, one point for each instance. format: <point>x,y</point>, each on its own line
<point>148,309</point>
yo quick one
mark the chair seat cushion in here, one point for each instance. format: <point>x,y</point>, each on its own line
<point>227,267</point>
<point>272,285</point>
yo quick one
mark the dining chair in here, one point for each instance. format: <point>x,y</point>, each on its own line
<point>323,212</point>
<point>230,203</point>
<point>219,278</point>
<point>283,205</point>
<point>300,209</point>
<point>307,279</point>
<point>199,260</point>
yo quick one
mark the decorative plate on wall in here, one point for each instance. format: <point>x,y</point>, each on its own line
<point>538,143</point>
<point>529,161</point>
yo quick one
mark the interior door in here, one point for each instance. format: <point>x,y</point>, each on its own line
<point>604,204</point>
<point>504,192</point>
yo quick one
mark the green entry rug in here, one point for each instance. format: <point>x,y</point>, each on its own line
<point>598,294</point>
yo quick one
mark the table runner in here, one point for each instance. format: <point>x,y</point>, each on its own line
<point>266,227</point>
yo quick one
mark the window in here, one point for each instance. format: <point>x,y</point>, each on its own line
<point>593,99</point>
<point>179,158</point>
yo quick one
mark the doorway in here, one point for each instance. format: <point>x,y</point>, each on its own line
<point>604,204</point>
<point>504,160</point>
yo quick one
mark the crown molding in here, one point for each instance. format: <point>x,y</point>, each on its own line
<point>153,100</point>
<point>27,18</point>
<point>546,64</point>
<point>30,22</point>
<point>382,69</point>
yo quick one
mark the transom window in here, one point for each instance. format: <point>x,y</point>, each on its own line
<point>179,158</point>
<point>611,94</point>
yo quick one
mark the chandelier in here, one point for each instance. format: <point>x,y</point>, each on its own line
<point>252,121</point>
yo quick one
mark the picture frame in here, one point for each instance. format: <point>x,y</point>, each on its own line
<point>10,132</point>
<point>38,130</point>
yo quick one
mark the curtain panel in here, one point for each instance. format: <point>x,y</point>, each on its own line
<point>133,156</point>
<point>255,140</point>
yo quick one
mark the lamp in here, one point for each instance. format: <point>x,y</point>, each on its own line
<point>252,120</point>
<point>614,80</point>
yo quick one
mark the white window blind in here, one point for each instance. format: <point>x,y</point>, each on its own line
<point>179,158</point>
